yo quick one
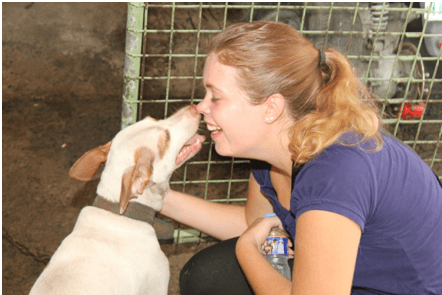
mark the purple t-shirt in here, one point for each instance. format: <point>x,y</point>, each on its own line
<point>395,198</point>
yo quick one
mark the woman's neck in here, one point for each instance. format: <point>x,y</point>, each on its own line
<point>276,151</point>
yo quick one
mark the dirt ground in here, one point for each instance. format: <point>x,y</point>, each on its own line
<point>62,95</point>
<point>62,86</point>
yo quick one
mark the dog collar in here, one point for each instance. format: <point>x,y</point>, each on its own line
<point>134,210</point>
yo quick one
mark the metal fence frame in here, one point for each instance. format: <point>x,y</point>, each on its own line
<point>134,99</point>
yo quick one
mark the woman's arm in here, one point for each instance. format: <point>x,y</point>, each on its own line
<point>326,246</point>
<point>257,204</point>
<point>218,220</point>
<point>222,221</point>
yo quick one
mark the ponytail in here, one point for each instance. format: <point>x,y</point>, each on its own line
<point>342,104</point>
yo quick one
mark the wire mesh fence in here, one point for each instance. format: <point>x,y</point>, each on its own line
<point>394,47</point>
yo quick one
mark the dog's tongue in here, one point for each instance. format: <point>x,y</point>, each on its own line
<point>190,148</point>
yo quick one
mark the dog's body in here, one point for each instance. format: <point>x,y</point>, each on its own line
<point>108,253</point>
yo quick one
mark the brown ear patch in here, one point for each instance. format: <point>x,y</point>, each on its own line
<point>85,167</point>
<point>136,179</point>
<point>163,143</point>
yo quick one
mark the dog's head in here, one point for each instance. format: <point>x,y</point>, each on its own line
<point>141,158</point>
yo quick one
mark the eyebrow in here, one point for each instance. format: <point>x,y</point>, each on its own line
<point>209,85</point>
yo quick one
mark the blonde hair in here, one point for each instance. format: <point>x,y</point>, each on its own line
<point>325,101</point>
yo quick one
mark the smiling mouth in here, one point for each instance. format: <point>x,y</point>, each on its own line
<point>213,129</point>
<point>190,148</point>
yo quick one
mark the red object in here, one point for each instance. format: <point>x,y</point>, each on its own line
<point>411,111</point>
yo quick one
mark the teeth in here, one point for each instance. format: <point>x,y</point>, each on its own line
<point>185,148</point>
<point>213,128</point>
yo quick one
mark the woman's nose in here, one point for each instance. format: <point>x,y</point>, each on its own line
<point>203,106</point>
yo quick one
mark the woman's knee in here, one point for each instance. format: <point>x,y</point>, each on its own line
<point>214,269</point>
<point>195,276</point>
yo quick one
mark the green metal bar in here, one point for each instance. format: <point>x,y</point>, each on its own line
<point>232,162</point>
<point>143,65</point>
<point>287,7</point>
<point>400,80</point>
<point>433,159</point>
<point>421,120</point>
<point>399,49</point>
<point>351,30</point>
<point>132,65</point>
<point>169,63</point>
<point>207,181</point>
<point>324,47</point>
<point>191,236</point>
<point>367,73</point>
<point>277,11</point>
<point>413,69</point>
<point>304,11</point>
<point>252,9</point>
<point>200,16</point>
<point>208,171</point>
<point>219,162</point>
<point>179,233</point>
<point>390,101</point>
<point>359,57</point>
<point>309,32</point>
<point>394,121</point>
<point>225,16</point>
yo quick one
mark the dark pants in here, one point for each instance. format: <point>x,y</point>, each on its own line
<point>215,270</point>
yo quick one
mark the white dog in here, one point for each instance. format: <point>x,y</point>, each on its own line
<point>108,253</point>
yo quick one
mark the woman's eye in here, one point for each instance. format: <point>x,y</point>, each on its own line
<point>214,99</point>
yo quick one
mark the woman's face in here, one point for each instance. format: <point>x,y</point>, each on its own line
<point>237,126</point>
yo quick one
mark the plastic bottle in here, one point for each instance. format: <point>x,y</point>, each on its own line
<point>275,250</point>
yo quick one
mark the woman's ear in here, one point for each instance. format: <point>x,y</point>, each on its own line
<point>275,105</point>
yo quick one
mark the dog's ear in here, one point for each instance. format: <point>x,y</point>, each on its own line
<point>85,167</point>
<point>163,143</point>
<point>137,177</point>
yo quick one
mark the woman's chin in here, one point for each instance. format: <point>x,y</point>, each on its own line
<point>222,152</point>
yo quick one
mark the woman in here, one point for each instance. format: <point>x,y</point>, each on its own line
<point>345,192</point>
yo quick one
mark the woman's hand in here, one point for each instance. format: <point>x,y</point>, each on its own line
<point>258,231</point>
<point>261,275</point>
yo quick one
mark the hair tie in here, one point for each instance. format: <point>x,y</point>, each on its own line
<point>321,57</point>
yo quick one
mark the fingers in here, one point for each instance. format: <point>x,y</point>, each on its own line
<point>290,251</point>
<point>273,221</point>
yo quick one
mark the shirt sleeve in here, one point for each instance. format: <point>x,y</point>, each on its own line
<point>339,180</point>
